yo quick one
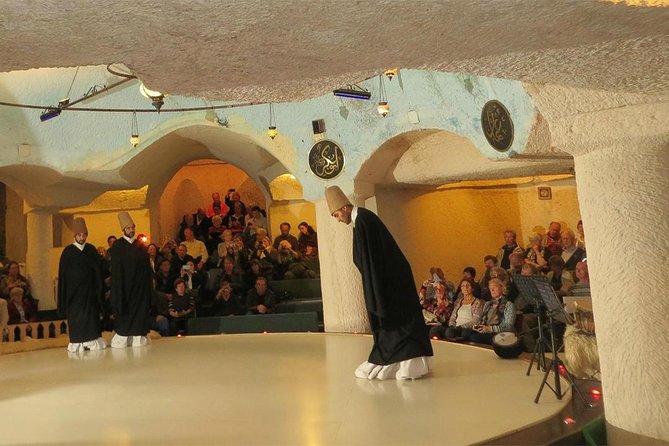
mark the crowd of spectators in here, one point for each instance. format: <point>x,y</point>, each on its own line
<point>476,311</point>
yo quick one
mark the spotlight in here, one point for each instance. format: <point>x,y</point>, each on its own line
<point>63,102</point>
<point>49,113</point>
<point>353,92</point>
<point>390,74</point>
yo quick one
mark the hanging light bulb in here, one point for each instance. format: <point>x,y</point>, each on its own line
<point>157,98</point>
<point>390,74</point>
<point>271,130</point>
<point>383,108</point>
<point>134,136</point>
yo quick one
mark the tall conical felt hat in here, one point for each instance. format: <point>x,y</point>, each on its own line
<point>125,220</point>
<point>79,226</point>
<point>336,199</point>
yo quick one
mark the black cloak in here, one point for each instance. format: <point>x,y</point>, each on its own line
<point>393,305</point>
<point>131,288</point>
<point>80,292</point>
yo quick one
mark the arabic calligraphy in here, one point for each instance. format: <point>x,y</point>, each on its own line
<point>326,159</point>
<point>497,125</point>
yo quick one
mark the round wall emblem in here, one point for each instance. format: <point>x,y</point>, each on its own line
<point>326,159</point>
<point>497,125</point>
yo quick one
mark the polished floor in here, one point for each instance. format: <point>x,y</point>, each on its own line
<point>274,389</point>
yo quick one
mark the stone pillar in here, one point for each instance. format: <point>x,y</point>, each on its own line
<point>623,193</point>
<point>38,255</point>
<point>343,302</point>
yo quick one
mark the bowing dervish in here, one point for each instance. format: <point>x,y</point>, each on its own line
<point>131,287</point>
<point>402,345</point>
<point>80,291</point>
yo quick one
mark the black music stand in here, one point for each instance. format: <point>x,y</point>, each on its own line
<point>526,286</point>
<point>541,287</point>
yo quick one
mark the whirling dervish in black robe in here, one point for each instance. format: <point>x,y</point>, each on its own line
<point>80,291</point>
<point>401,338</point>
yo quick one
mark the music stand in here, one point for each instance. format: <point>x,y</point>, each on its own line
<point>527,287</point>
<point>540,286</point>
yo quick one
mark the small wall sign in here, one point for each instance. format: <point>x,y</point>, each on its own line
<point>544,193</point>
<point>497,125</point>
<point>326,159</point>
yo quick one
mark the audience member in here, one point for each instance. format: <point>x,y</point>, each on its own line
<point>19,308</point>
<point>308,241</point>
<point>571,254</point>
<point>437,312</point>
<point>180,259</point>
<point>217,207</point>
<point>160,305</point>
<point>536,254</point>
<point>215,233</point>
<point>227,246</point>
<point>490,262</point>
<point>233,277</point>
<point>466,312</point>
<point>181,307</point>
<point>516,262</point>
<point>225,304</point>
<point>154,256</point>
<point>289,263</point>
<point>561,280</point>
<point>582,287</point>
<point>165,277</point>
<point>286,235</point>
<point>553,243</point>
<point>580,238</point>
<point>195,249</point>
<point>470,273</point>
<point>239,253</point>
<point>188,222</point>
<point>498,314</point>
<point>14,279</point>
<point>191,276</point>
<point>507,248</point>
<point>260,299</point>
<point>235,220</point>
<point>202,222</point>
<point>232,198</point>
<point>255,220</point>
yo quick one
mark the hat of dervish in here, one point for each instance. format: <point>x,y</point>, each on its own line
<point>125,220</point>
<point>79,226</point>
<point>336,199</point>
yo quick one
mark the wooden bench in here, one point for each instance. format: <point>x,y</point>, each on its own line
<point>35,330</point>
<point>256,323</point>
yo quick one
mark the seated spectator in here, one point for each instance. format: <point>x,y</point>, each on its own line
<point>528,307</point>
<point>466,312</point>
<point>516,260</point>
<point>234,197</point>
<point>202,222</point>
<point>507,248</point>
<point>580,237</point>
<point>154,256</point>
<point>239,253</point>
<point>286,235</point>
<point>496,273</point>
<point>235,220</point>
<point>260,299</point>
<point>225,304</point>
<point>19,308</point>
<point>255,220</point>
<point>234,277</point>
<point>168,250</point>
<point>180,259</point>
<point>227,245</point>
<point>195,249</point>
<point>191,276</point>
<point>165,277</point>
<point>470,273</point>
<point>571,254</point>
<point>438,311</point>
<point>217,207</point>
<point>290,264</point>
<point>498,314</point>
<point>215,233</point>
<point>582,286</point>
<point>553,243</point>
<point>308,241</point>
<point>490,262</point>
<point>427,290</point>
<point>561,280</point>
<point>160,305</point>
<point>181,307</point>
<point>536,254</point>
<point>188,222</point>
<point>14,279</point>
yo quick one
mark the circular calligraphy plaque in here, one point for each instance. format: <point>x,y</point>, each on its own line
<point>326,159</point>
<point>497,125</point>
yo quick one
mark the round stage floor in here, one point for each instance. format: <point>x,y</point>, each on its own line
<point>279,389</point>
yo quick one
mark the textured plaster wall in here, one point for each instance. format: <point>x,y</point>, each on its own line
<point>456,228</point>
<point>626,211</point>
<point>15,227</point>
<point>192,186</point>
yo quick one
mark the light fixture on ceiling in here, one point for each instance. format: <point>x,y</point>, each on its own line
<point>353,92</point>
<point>383,108</point>
<point>271,130</point>
<point>134,136</point>
<point>390,74</point>
<point>50,113</point>
<point>157,98</point>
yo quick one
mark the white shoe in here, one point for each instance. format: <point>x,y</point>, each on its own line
<point>97,344</point>
<point>140,341</point>
<point>73,347</point>
<point>119,341</point>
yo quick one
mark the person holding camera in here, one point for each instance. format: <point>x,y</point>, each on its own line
<point>181,307</point>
